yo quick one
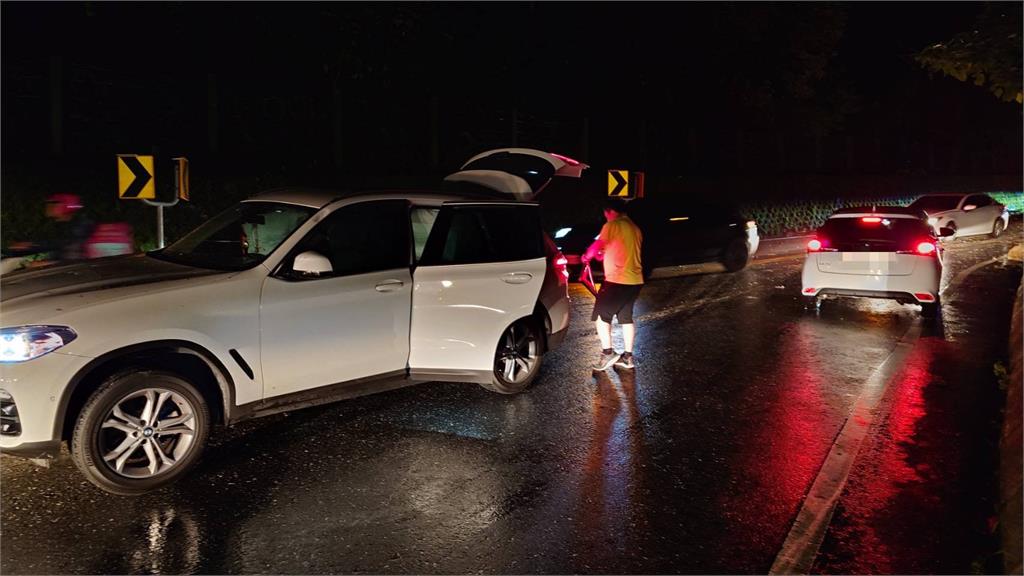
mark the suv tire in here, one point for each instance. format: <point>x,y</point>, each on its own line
<point>735,255</point>
<point>156,428</point>
<point>517,358</point>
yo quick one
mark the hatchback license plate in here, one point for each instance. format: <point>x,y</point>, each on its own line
<point>869,257</point>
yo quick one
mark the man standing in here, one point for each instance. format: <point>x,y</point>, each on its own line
<point>620,240</point>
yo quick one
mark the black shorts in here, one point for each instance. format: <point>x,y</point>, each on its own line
<point>616,300</point>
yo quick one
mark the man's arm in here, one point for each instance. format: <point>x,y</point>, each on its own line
<point>597,247</point>
<point>593,251</point>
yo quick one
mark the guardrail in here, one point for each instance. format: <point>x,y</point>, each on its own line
<point>804,216</point>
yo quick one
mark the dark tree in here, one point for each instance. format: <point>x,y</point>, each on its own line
<point>989,54</point>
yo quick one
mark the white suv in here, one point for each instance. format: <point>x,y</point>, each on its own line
<point>882,252</point>
<point>288,299</point>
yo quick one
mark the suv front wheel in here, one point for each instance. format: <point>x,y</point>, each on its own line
<point>140,431</point>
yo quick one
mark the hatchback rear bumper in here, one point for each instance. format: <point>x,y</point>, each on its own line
<point>922,286</point>
<point>902,297</point>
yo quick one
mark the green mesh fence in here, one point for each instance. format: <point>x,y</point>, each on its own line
<point>801,217</point>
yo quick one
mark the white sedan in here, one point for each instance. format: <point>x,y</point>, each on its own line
<point>964,214</point>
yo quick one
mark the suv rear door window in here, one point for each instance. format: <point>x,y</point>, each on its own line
<point>481,233</point>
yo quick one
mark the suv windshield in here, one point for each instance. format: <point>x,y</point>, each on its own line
<point>935,203</point>
<point>869,234</point>
<point>238,238</point>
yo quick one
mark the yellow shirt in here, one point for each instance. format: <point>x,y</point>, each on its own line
<point>622,239</point>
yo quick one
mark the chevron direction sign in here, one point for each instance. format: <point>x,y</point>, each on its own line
<point>618,183</point>
<point>135,177</point>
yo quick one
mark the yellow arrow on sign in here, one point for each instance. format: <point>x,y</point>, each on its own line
<point>135,177</point>
<point>618,183</point>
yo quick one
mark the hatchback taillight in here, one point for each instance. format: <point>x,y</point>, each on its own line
<point>922,248</point>
<point>814,245</point>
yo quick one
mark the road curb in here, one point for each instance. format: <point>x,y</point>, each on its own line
<point>1011,451</point>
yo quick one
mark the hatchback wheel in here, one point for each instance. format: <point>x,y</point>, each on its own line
<point>997,228</point>
<point>140,431</point>
<point>517,359</point>
<point>930,309</point>
<point>735,255</point>
<point>811,303</point>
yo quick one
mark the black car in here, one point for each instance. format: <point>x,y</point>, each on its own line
<point>675,232</point>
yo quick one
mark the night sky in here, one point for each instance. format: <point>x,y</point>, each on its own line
<point>749,98</point>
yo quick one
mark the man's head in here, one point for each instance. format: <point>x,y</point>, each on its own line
<point>613,208</point>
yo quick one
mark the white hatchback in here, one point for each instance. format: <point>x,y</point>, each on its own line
<point>875,253</point>
<point>289,299</point>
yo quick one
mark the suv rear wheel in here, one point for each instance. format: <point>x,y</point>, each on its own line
<point>517,359</point>
<point>140,431</point>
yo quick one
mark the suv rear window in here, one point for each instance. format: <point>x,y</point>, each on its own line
<point>873,234</point>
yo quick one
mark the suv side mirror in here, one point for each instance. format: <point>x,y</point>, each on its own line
<point>946,232</point>
<point>312,263</point>
<point>969,207</point>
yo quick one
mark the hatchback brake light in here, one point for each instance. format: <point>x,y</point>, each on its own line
<point>814,245</point>
<point>923,248</point>
<point>871,220</point>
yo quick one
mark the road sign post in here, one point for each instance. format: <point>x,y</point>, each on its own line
<point>181,190</point>
<point>136,180</point>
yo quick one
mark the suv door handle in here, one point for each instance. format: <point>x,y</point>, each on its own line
<point>389,286</point>
<point>517,277</point>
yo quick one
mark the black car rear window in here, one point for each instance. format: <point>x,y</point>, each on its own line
<point>873,234</point>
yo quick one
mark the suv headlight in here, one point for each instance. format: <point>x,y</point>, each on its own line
<point>23,343</point>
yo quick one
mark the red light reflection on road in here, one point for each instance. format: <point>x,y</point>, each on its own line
<point>785,445</point>
<point>885,470</point>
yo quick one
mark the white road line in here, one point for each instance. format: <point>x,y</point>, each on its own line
<point>955,282</point>
<point>808,530</point>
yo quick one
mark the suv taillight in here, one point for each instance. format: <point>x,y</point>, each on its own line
<point>562,268</point>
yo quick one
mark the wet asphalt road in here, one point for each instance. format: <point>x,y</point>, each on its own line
<point>698,462</point>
